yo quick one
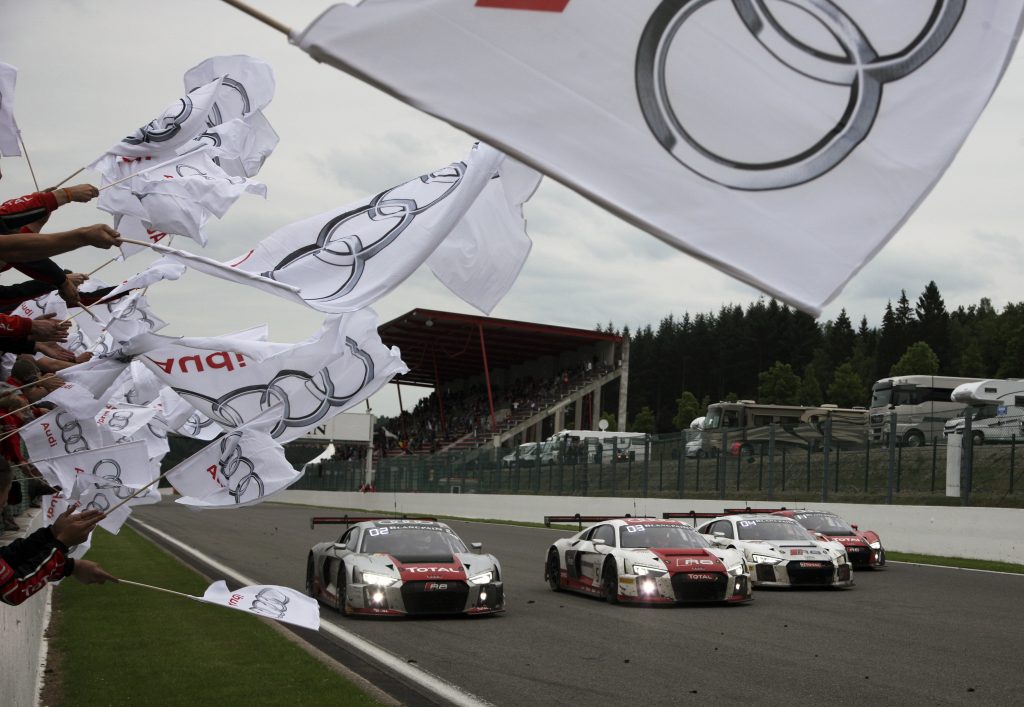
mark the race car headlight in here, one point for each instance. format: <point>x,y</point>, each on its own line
<point>875,545</point>
<point>482,578</point>
<point>380,580</point>
<point>765,559</point>
<point>737,570</point>
<point>648,571</point>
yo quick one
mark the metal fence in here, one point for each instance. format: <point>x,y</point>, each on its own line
<point>675,466</point>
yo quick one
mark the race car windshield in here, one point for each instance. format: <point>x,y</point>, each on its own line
<point>824,524</point>
<point>413,544</point>
<point>772,530</point>
<point>661,536</point>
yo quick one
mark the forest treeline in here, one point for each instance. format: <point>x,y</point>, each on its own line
<point>772,353</point>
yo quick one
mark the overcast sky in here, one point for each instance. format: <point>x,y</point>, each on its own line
<point>91,72</point>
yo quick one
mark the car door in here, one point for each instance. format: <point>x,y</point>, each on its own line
<point>592,558</point>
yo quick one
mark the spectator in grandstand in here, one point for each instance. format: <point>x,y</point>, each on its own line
<point>25,374</point>
<point>27,564</point>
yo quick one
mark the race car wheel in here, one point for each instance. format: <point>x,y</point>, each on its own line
<point>553,570</point>
<point>309,576</point>
<point>610,583</point>
<point>341,588</point>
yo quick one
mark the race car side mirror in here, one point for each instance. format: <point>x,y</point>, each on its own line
<point>854,526</point>
<point>718,534</point>
<point>819,536</point>
<point>599,543</point>
<point>477,547</point>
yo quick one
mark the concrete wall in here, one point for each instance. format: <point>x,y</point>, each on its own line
<point>22,630</point>
<point>980,533</point>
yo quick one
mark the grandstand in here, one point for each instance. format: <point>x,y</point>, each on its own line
<point>499,382</point>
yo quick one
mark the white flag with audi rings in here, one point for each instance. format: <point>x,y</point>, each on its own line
<point>341,366</point>
<point>269,601</point>
<point>9,144</point>
<point>782,142</point>
<point>59,433</point>
<point>348,258</point>
<point>244,467</point>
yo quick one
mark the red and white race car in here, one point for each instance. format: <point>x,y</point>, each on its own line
<point>398,567</point>
<point>646,561</point>
<point>863,547</point>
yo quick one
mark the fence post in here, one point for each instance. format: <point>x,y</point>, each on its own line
<point>1013,454</point>
<point>681,461</point>
<point>935,451</point>
<point>826,453</point>
<point>783,468</point>
<point>771,461</point>
<point>892,457</point>
<point>808,485</point>
<point>968,460</point>
<point>867,462</point>
<point>723,457</point>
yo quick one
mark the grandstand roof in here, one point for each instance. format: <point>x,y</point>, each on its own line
<point>453,341</point>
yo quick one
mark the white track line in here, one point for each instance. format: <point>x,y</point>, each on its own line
<point>952,567</point>
<point>433,684</point>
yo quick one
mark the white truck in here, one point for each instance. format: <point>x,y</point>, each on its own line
<point>996,408</point>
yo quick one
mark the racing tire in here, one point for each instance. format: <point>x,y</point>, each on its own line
<point>913,439</point>
<point>310,572</point>
<point>341,589</point>
<point>610,583</point>
<point>553,571</point>
<point>977,439</point>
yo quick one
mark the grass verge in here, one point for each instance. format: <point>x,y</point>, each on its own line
<point>963,562</point>
<point>123,645</point>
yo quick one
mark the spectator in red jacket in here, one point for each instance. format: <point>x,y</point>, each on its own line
<point>27,564</point>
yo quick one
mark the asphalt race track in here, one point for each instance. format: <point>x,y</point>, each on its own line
<point>906,635</point>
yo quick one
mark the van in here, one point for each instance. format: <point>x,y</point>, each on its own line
<point>996,408</point>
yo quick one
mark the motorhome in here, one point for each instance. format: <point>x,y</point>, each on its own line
<point>996,408</point>
<point>747,427</point>
<point>601,446</point>
<point>922,405</point>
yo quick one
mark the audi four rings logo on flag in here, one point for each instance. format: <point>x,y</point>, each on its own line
<point>783,142</point>
<point>860,69</point>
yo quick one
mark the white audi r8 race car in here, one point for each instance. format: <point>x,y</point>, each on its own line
<point>781,552</point>
<point>863,547</point>
<point>399,567</point>
<point>646,561</point>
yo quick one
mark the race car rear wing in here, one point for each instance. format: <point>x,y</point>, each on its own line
<point>577,518</point>
<point>693,515</point>
<point>748,509</point>
<point>349,520</point>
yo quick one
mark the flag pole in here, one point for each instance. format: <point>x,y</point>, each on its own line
<point>150,168</point>
<point>159,589</point>
<point>28,160</point>
<point>265,19</point>
<point>137,492</point>
<point>112,260</point>
<point>68,178</point>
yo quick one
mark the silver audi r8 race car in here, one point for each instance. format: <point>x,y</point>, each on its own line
<point>646,561</point>
<point>781,551</point>
<point>399,567</point>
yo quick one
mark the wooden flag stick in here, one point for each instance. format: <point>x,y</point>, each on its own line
<point>150,168</point>
<point>112,260</point>
<point>137,492</point>
<point>28,161</point>
<point>69,177</point>
<point>159,589</point>
<point>265,19</point>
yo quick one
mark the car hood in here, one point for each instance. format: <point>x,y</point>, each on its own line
<point>785,549</point>
<point>678,560</point>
